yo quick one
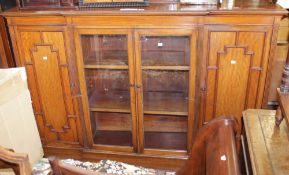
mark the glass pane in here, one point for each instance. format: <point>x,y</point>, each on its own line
<point>165,50</point>
<point>165,90</point>
<point>111,128</point>
<point>165,62</point>
<point>104,49</point>
<point>165,132</point>
<point>108,89</point>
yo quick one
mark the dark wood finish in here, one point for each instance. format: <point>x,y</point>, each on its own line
<point>68,95</point>
<point>266,145</point>
<point>18,162</point>
<point>26,4</point>
<point>283,110</point>
<point>6,57</point>
<point>213,152</point>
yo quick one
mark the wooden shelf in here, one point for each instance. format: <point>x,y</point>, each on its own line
<point>163,50</point>
<point>153,140</point>
<point>181,68</point>
<point>112,101</point>
<point>167,103</point>
<point>165,140</point>
<point>119,138</point>
<point>164,103</point>
<point>91,66</point>
<point>106,61</point>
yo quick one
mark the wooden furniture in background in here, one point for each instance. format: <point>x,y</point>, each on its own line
<point>98,75</point>
<point>279,60</point>
<point>7,4</point>
<point>6,56</point>
<point>265,145</point>
<point>283,95</point>
<point>18,162</point>
<point>213,153</point>
<point>24,4</point>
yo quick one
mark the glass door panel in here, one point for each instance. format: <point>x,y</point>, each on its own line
<point>165,68</point>
<point>107,77</point>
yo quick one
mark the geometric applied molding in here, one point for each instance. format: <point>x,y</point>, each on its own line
<point>48,69</point>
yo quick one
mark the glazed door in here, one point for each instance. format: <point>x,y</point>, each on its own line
<point>236,64</point>
<point>48,65</point>
<point>106,63</point>
<point>165,82</point>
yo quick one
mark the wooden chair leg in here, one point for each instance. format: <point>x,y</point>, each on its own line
<point>278,117</point>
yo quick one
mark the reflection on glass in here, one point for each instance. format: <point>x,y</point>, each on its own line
<point>165,50</point>
<point>108,88</point>
<point>165,90</point>
<point>104,49</point>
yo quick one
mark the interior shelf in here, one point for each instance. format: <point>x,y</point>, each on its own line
<point>111,101</point>
<point>171,103</point>
<point>154,102</point>
<point>119,138</point>
<point>166,140</point>
<point>117,59</point>
<point>153,140</point>
<point>182,68</point>
<point>92,66</point>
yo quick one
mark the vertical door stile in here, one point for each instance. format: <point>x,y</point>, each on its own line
<point>131,65</point>
<point>138,86</point>
<point>192,85</point>
<point>80,65</point>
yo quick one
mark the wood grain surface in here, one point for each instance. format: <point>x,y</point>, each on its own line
<point>267,143</point>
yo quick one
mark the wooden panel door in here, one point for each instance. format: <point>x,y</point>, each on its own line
<point>236,60</point>
<point>165,86</point>
<point>42,51</point>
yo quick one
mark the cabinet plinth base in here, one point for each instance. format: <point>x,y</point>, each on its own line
<point>169,162</point>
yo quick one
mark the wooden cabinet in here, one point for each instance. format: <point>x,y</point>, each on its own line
<point>139,92</point>
<point>44,54</point>
<point>236,65</point>
<point>136,86</point>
